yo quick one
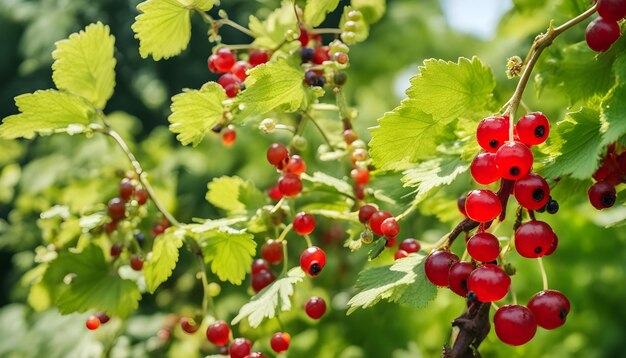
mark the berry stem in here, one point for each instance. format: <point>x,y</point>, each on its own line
<point>278,205</point>
<point>285,232</point>
<point>544,276</point>
<point>307,115</point>
<point>308,240</point>
<point>216,24</point>
<point>285,260</point>
<point>321,31</point>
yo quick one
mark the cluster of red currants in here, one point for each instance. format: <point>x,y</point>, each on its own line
<point>602,32</point>
<point>358,155</point>
<point>116,208</point>
<point>224,62</point>
<point>314,53</point>
<point>611,173</point>
<point>382,223</point>
<point>291,167</point>
<point>94,321</point>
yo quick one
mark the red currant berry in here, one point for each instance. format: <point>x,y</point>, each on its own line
<point>262,279</point>
<point>258,265</point>
<point>437,267</point>
<point>116,249</point>
<point>483,247</point>
<point>482,205</point>
<point>126,189</point>
<point>533,128</point>
<point>377,219</point>
<point>303,223</point>
<point>458,275</point>
<point>410,245</point>
<point>136,263</point>
<point>360,175</point>
<point>158,229</point>
<point>390,227</point>
<point>359,191</point>
<point>223,60</point>
<point>92,323</point>
<point>612,9</point>
<point>514,160</point>
<point>290,184</point>
<point>460,204</point>
<point>489,282</point>
<point>272,251</point>
<point>189,325</point>
<point>366,212</point>
<point>239,70</point>
<point>315,307</point>
<point>492,132</point>
<point>218,333</point>
<point>304,36</point>
<point>116,209</point>
<point>258,57</point>
<point>341,58</point>
<point>142,196</point>
<point>349,136</point>
<point>400,254</point>
<point>277,154</point>
<point>230,83</point>
<point>103,317</point>
<point>514,324</point>
<point>295,165</point>
<point>312,260</point>
<point>553,246</point>
<point>110,226</point>
<point>533,239</point>
<point>240,348</point>
<point>602,195</point>
<point>601,34</point>
<point>280,342</point>
<point>550,308</point>
<point>483,168</point>
<point>321,54</point>
<point>211,63</point>
<point>390,241</point>
<point>532,192</point>
<point>228,136</point>
<point>275,193</point>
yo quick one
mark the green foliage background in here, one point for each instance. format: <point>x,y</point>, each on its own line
<point>589,266</point>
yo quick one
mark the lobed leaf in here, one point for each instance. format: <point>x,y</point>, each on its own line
<point>161,263</point>
<point>235,195</point>
<point>613,115</point>
<point>434,173</point>
<point>315,11</point>
<point>270,33</point>
<point>229,251</point>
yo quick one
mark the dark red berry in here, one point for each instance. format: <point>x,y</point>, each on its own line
<point>612,9</point>
<point>514,324</point>
<point>211,63</point>
<point>514,160</point>
<point>489,282</point>
<point>223,60</point>
<point>601,34</point>
<point>239,348</point>
<point>295,165</point>
<point>360,175</point>
<point>158,229</point>
<point>258,57</point>
<point>92,323</point>
<point>218,333</point>
<point>277,153</point>
<point>553,246</point>
<point>312,260</point>
<point>136,263</point>
<point>532,191</point>
<point>400,254</point>
<point>303,223</point>
<point>458,275</point>
<point>321,54</point>
<point>437,267</point>
<point>258,265</point>
<point>290,184</point>
<point>390,241</point>
<point>410,245</point>
<point>492,132</point>
<point>389,227</point>
<point>533,128</point>
<point>533,239</point>
<point>304,36</point>
<point>103,317</point>
<point>228,136</point>
<point>483,168</point>
<point>602,195</point>
<point>377,219</point>
<point>366,212</point>
<point>349,136</point>
<point>275,193</point>
<point>460,204</point>
<point>116,209</point>
<point>126,189</point>
<point>262,279</point>
<point>239,70</point>
<point>280,342</point>
<point>189,325</point>
<point>116,249</point>
<point>482,205</point>
<point>359,191</point>
<point>483,247</point>
<point>230,83</point>
<point>111,226</point>
<point>550,308</point>
<point>272,251</point>
<point>142,196</point>
<point>315,307</point>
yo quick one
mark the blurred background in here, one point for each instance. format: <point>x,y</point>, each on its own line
<point>589,266</point>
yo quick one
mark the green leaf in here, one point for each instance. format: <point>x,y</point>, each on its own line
<point>580,146</point>
<point>235,195</point>
<point>45,111</point>
<point>271,299</point>
<point>194,112</point>
<point>377,249</point>
<point>441,93</point>
<point>162,261</point>
<point>94,286</point>
<point>84,64</point>
<point>315,10</point>
<point>434,173</point>
<point>325,181</point>
<point>613,116</point>
<point>208,225</point>
<point>372,10</point>
<point>270,33</point>
<point>164,28</point>
<point>229,251</point>
<point>403,282</point>
<point>274,85</point>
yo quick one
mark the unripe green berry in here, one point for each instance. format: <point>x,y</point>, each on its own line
<point>348,37</point>
<point>299,142</point>
<point>355,15</point>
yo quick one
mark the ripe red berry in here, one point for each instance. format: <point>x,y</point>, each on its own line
<point>492,132</point>
<point>116,249</point>
<point>460,204</point>
<point>239,348</point>
<point>377,219</point>
<point>136,263</point>
<point>359,191</point>
<point>304,36</point>
<point>410,245</point>
<point>553,246</point>
<point>489,282</point>
<point>111,226</point>
<point>437,266</point>
<point>514,324</point>
<point>389,227</point>
<point>277,153</point>
<point>533,239</point>
<point>280,342</point>
<point>612,9</point>
<point>274,193</point>
<point>258,265</point>
<point>93,322</point>
<point>239,70</point>
<point>320,55</point>
<point>228,136</point>
<point>116,209</point>
<point>142,196</point>
<point>211,63</point>
<point>514,160</point>
<point>126,189</point>
<point>295,165</point>
<point>103,317</point>
<point>158,229</point>
<point>223,60</point>
<point>303,223</point>
<point>601,34</point>
<point>533,128</point>
<point>482,205</point>
<point>483,168</point>
<point>218,333</point>
<point>366,212</point>
<point>483,247</point>
<point>189,325</point>
<point>230,83</point>
<point>360,175</point>
<point>458,275</point>
<point>262,279</point>
<point>400,254</point>
<point>312,260</point>
<point>390,241</point>
<point>602,195</point>
<point>550,308</point>
<point>315,307</point>
<point>258,57</point>
<point>290,184</point>
<point>349,136</point>
<point>532,192</point>
<point>272,251</point>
